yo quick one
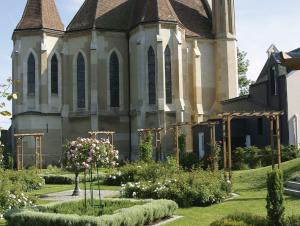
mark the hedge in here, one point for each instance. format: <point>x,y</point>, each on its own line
<point>136,215</point>
<point>56,179</point>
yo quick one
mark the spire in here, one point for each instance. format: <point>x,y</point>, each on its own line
<point>40,14</point>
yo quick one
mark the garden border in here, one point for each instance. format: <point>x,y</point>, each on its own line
<point>136,215</point>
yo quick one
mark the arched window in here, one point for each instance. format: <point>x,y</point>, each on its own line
<point>54,75</point>
<point>31,75</point>
<point>80,81</point>
<point>151,76</point>
<point>168,75</point>
<point>114,80</point>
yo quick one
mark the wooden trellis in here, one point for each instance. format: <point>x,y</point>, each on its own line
<point>38,149</point>
<point>157,135</point>
<point>212,129</point>
<point>274,118</point>
<point>176,128</point>
<point>103,134</point>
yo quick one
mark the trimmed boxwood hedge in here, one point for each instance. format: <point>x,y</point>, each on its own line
<point>136,215</point>
<point>57,179</point>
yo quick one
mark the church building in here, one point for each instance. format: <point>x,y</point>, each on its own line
<point>121,65</point>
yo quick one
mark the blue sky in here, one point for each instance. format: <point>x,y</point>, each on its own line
<point>260,23</point>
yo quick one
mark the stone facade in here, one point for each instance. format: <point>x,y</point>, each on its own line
<point>203,73</point>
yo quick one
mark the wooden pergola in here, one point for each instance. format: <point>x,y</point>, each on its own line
<point>157,135</point>
<point>176,128</point>
<point>212,129</point>
<point>274,118</point>
<point>38,149</point>
<point>103,134</point>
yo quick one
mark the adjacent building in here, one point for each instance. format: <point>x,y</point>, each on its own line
<point>276,89</point>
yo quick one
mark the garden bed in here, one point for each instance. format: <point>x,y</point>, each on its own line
<point>122,212</point>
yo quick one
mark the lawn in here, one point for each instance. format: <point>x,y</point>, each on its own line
<point>53,188</point>
<point>250,185</point>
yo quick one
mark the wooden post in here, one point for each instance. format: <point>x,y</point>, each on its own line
<point>41,157</point>
<point>224,148</point>
<point>272,139</point>
<point>229,146</point>
<point>278,140</point>
<point>177,143</point>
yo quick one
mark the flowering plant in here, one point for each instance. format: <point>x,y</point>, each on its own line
<point>83,153</point>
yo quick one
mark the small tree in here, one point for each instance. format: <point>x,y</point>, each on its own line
<point>182,143</point>
<point>275,200</point>
<point>146,148</point>
<point>243,65</point>
<point>85,153</point>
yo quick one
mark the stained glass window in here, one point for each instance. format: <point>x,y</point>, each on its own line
<point>80,81</point>
<point>151,76</point>
<point>31,75</point>
<point>114,80</point>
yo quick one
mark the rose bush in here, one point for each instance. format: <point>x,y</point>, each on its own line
<point>85,153</point>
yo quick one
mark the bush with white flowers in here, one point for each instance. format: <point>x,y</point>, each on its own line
<point>197,188</point>
<point>12,196</point>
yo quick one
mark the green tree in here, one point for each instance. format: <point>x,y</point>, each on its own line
<point>146,148</point>
<point>275,200</point>
<point>243,65</point>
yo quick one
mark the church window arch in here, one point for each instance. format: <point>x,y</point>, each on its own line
<point>54,75</point>
<point>151,76</point>
<point>114,80</point>
<point>31,74</point>
<point>81,81</point>
<point>168,75</point>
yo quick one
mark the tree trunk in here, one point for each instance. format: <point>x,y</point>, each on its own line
<point>76,191</point>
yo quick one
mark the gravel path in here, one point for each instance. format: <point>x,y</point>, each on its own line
<point>65,196</point>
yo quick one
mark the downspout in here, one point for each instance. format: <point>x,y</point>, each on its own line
<point>129,99</point>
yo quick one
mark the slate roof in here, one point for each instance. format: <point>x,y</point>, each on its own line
<point>124,15</point>
<point>40,14</point>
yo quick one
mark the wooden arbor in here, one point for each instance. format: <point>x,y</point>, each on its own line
<point>157,134</point>
<point>176,128</point>
<point>103,134</point>
<point>38,149</point>
<point>274,118</point>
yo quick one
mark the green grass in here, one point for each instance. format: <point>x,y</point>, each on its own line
<point>250,185</point>
<point>53,188</point>
<point>2,223</point>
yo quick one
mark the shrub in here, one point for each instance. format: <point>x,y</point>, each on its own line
<point>28,180</point>
<point>241,219</point>
<point>56,179</point>
<point>182,143</point>
<point>146,148</point>
<point>275,200</point>
<point>189,161</point>
<point>141,171</point>
<point>197,188</point>
<point>12,195</point>
<point>290,152</point>
<point>104,207</point>
<point>136,215</point>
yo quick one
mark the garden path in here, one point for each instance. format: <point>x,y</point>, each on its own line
<point>66,196</point>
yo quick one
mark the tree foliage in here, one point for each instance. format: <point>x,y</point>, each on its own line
<point>243,65</point>
<point>275,200</point>
<point>146,148</point>
<point>6,95</point>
